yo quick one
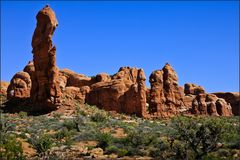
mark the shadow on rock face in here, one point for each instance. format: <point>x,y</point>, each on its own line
<point>23,105</point>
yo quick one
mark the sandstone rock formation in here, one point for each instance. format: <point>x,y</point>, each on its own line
<point>124,93</point>
<point>209,104</point>
<point>103,77</point>
<point>233,98</point>
<point>46,91</point>
<point>43,87</point>
<point>76,93</point>
<point>166,97</point>
<point>74,79</point>
<point>20,86</point>
<point>193,89</point>
<point>3,87</point>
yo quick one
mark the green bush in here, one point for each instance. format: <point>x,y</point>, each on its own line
<point>23,114</point>
<point>198,136</point>
<point>80,111</point>
<point>140,137</point>
<point>62,134</point>
<point>57,115</point>
<point>104,140</point>
<point>99,117</point>
<point>42,142</point>
<point>70,124</point>
<point>115,149</point>
<point>10,148</point>
<point>122,152</point>
<point>133,151</point>
<point>111,149</point>
<point>160,150</point>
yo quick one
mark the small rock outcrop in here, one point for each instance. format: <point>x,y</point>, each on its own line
<point>103,77</point>
<point>73,79</point>
<point>46,91</point>
<point>76,93</point>
<point>3,86</point>
<point>232,98</point>
<point>166,97</point>
<point>20,86</point>
<point>209,104</point>
<point>193,89</point>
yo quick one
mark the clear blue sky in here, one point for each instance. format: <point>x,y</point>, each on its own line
<point>199,39</point>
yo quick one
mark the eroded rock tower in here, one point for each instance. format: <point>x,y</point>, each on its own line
<point>45,86</point>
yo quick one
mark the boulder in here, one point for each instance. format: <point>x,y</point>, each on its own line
<point>76,93</point>
<point>193,89</point>
<point>103,77</point>
<point>20,86</point>
<point>4,85</point>
<point>75,79</point>
<point>223,108</point>
<point>209,104</point>
<point>188,99</point>
<point>233,98</point>
<point>212,109</point>
<point>29,68</point>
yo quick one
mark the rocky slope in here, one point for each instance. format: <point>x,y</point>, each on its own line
<point>41,86</point>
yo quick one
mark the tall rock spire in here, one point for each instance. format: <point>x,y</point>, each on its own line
<point>45,86</point>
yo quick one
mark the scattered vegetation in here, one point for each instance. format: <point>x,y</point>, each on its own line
<point>41,142</point>
<point>10,147</point>
<point>117,134</point>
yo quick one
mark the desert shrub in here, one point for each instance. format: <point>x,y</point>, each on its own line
<point>6,125</point>
<point>80,111</point>
<point>57,115</point>
<point>117,150</point>
<point>133,151</point>
<point>22,135</point>
<point>86,134</point>
<point>122,152</point>
<point>62,134</point>
<point>99,117</point>
<point>111,149</point>
<point>137,142</point>
<point>22,114</point>
<point>81,120</point>
<point>10,147</point>
<point>197,137</point>
<point>160,150</point>
<point>141,137</point>
<point>70,124</point>
<point>42,142</point>
<point>104,140</point>
<point>68,141</point>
